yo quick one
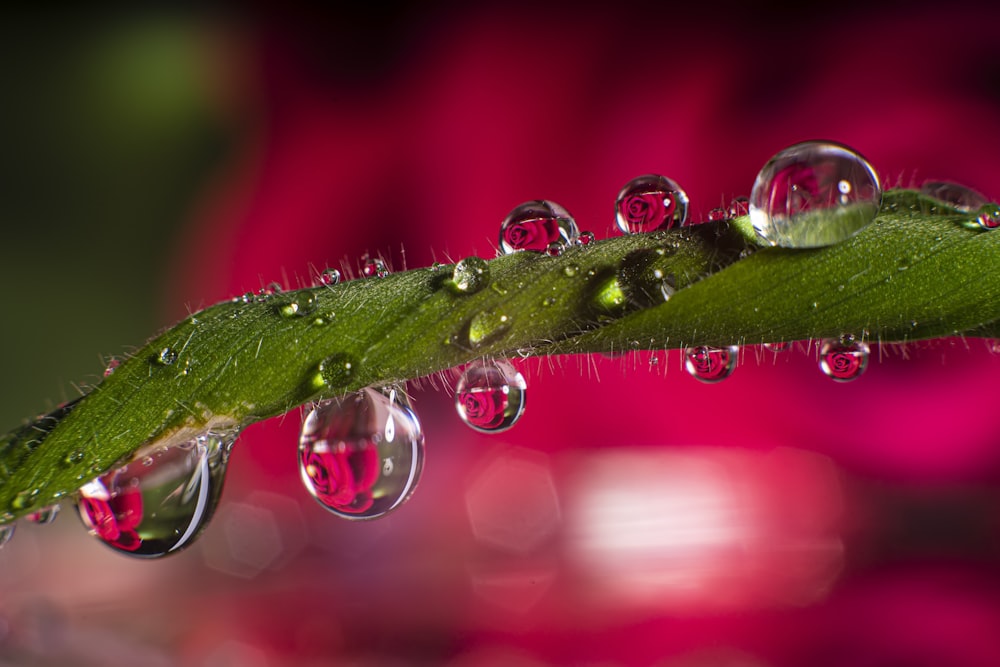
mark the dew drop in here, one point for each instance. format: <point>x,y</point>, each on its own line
<point>487,327</point>
<point>74,457</point>
<point>24,499</point>
<point>6,533</point>
<point>738,207</point>
<point>711,364</point>
<point>555,249</point>
<point>490,396</point>
<point>717,214</point>
<point>44,516</point>
<point>470,275</point>
<point>111,367</point>
<point>329,277</point>
<point>843,359</point>
<point>337,370</point>
<point>989,217</point>
<point>649,203</point>
<point>534,225</point>
<point>957,196</point>
<point>374,268</point>
<point>586,238</point>
<point>166,357</point>
<point>814,194</point>
<point>361,455</point>
<point>777,347</point>
<point>296,304</point>
<point>150,511</point>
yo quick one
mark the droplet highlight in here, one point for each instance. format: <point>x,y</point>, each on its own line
<point>166,357</point>
<point>650,202</point>
<point>711,364</point>
<point>814,194</point>
<point>470,275</point>
<point>534,225</point>
<point>490,396</point>
<point>843,359</point>
<point>361,455</point>
<point>151,509</point>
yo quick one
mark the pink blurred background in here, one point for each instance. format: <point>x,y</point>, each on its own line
<point>634,516</point>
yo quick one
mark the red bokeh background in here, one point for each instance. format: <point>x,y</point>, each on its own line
<point>411,135</point>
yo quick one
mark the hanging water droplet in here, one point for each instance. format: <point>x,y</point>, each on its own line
<point>374,268</point>
<point>113,364</point>
<point>649,203</point>
<point>329,277</point>
<point>490,396</point>
<point>814,194</point>
<point>44,516</point>
<point>6,533</point>
<point>470,275</point>
<point>166,357</point>
<point>361,455</point>
<point>534,225</point>
<point>586,238</point>
<point>777,347</point>
<point>843,359</point>
<point>711,364</point>
<point>337,370</point>
<point>153,510</point>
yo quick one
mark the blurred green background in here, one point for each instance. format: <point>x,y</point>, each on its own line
<point>107,134</point>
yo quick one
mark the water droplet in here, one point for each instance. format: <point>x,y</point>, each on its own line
<point>555,249</point>
<point>337,370</point>
<point>586,238</point>
<point>6,533</point>
<point>957,196</point>
<point>570,270</point>
<point>490,396</point>
<point>374,268</point>
<point>296,304</point>
<point>534,225</point>
<point>487,327</point>
<point>74,457</point>
<point>989,217</point>
<point>777,347</point>
<point>166,357</point>
<point>843,359</point>
<point>717,214</point>
<point>360,455</point>
<point>273,288</point>
<point>24,499</point>
<point>643,280</point>
<point>329,277</point>
<point>153,510</point>
<point>711,364</point>
<point>649,203</point>
<point>738,207</point>
<point>44,516</point>
<point>470,275</point>
<point>814,194</point>
<point>112,365</point>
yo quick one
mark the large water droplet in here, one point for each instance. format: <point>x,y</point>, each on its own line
<point>470,275</point>
<point>814,194</point>
<point>649,203</point>
<point>151,510</point>
<point>711,364</point>
<point>843,359</point>
<point>360,455</point>
<point>490,396</point>
<point>534,225</point>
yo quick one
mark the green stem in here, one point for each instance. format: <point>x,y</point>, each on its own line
<point>920,271</point>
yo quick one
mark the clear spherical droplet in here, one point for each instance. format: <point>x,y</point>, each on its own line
<point>166,357</point>
<point>329,277</point>
<point>44,516</point>
<point>490,396</point>
<point>374,268</point>
<point>153,510</point>
<point>738,207</point>
<point>470,275</point>
<point>843,359</point>
<point>337,370</point>
<point>711,364</point>
<point>649,203</point>
<point>586,238</point>
<point>989,217</point>
<point>957,196</point>
<point>555,249</point>
<point>534,225</point>
<point>814,194</point>
<point>361,455</point>
<point>718,214</point>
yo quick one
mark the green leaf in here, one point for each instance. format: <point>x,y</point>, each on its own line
<point>920,271</point>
